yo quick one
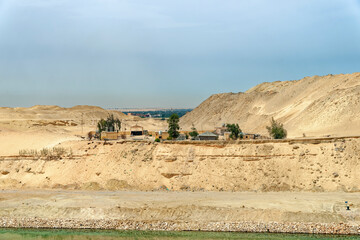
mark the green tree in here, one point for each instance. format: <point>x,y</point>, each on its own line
<point>173,122</point>
<point>194,133</point>
<point>102,125</point>
<point>235,130</point>
<point>276,130</point>
<point>110,124</point>
<point>113,123</point>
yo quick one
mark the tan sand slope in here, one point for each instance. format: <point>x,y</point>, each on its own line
<point>43,112</point>
<point>292,165</point>
<point>315,106</point>
<point>181,206</point>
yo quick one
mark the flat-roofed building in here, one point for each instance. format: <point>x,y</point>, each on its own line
<point>208,136</point>
<point>136,130</point>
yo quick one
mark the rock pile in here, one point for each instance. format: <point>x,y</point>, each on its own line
<point>271,227</point>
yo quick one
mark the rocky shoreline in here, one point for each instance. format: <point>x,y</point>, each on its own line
<point>245,226</point>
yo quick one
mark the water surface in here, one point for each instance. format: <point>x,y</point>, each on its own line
<point>34,234</point>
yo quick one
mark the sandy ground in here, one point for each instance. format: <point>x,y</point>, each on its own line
<point>12,142</point>
<point>182,206</point>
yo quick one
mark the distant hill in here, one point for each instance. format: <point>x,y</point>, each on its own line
<point>315,106</point>
<point>41,112</point>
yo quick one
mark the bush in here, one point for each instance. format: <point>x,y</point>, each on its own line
<point>59,151</point>
<point>194,133</point>
<point>90,135</point>
<point>276,130</point>
<point>157,140</point>
<point>52,153</point>
<point>44,152</point>
<point>28,152</point>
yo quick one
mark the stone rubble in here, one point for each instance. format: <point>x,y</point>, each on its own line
<point>246,226</point>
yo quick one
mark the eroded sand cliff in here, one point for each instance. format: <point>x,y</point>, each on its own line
<point>329,164</point>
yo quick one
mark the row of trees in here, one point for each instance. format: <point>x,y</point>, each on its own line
<point>276,129</point>
<point>110,124</point>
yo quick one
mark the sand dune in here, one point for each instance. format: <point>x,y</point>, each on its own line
<point>314,106</point>
<point>44,112</point>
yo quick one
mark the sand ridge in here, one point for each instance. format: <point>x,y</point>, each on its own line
<point>314,106</point>
<point>306,165</point>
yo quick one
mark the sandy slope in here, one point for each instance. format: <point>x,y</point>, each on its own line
<point>182,206</point>
<point>303,165</point>
<point>12,141</point>
<point>315,106</point>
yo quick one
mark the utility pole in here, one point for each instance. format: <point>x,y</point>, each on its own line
<point>82,123</point>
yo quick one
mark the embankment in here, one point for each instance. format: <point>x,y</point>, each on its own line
<point>182,211</point>
<point>327,164</point>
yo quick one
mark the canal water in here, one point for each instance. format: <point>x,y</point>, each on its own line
<point>34,234</point>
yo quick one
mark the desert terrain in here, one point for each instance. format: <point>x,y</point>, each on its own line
<point>329,164</point>
<point>40,127</point>
<point>312,106</point>
<point>302,179</point>
<point>166,210</point>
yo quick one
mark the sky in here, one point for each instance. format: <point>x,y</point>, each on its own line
<point>167,53</point>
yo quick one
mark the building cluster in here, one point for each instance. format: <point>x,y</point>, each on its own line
<point>137,132</point>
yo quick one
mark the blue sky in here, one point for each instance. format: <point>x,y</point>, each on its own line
<point>167,53</point>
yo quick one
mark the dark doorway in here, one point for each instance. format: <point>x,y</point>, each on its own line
<point>136,133</point>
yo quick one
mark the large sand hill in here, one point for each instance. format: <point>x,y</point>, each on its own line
<point>314,106</point>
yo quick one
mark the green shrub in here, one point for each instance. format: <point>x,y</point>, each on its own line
<point>276,130</point>
<point>157,140</point>
<point>194,133</point>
